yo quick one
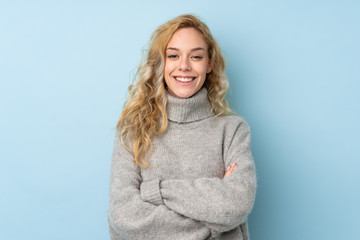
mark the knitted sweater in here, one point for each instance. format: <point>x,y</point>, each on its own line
<point>184,195</point>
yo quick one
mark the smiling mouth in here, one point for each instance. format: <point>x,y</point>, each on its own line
<point>184,79</point>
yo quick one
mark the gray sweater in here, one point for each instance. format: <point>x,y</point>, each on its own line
<point>183,195</point>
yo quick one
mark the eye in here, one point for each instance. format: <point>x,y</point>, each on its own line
<point>172,56</point>
<point>197,57</point>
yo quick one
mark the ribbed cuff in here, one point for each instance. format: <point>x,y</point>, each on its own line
<point>150,192</point>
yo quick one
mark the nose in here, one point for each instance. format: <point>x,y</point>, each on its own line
<point>185,65</point>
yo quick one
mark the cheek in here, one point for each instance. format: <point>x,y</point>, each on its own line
<point>204,69</point>
<point>168,67</point>
<point>167,72</point>
<point>165,68</point>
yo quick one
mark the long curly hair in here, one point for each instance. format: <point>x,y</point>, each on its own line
<point>144,113</point>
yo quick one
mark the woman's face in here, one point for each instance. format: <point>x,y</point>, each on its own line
<point>187,63</point>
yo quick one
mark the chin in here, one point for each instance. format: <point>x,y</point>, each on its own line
<point>184,94</point>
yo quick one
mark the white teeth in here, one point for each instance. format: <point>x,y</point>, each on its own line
<point>183,79</point>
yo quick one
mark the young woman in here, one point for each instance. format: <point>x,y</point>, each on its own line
<point>182,166</point>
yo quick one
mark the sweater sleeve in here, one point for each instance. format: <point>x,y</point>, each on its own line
<point>222,204</point>
<point>130,217</point>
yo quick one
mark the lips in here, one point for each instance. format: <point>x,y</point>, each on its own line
<point>184,79</point>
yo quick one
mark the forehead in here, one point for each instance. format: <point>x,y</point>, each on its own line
<point>187,38</point>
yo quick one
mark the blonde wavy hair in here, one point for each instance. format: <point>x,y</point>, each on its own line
<point>144,114</point>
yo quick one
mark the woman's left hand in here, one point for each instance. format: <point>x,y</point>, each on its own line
<point>230,169</point>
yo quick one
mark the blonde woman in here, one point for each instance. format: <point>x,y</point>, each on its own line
<point>182,166</point>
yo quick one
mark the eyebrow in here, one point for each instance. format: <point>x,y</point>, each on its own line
<point>192,50</point>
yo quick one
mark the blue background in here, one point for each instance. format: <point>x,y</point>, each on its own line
<point>294,69</point>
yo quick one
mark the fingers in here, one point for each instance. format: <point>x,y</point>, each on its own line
<point>230,169</point>
<point>227,171</point>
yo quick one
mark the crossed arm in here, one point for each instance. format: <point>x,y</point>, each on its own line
<point>195,208</point>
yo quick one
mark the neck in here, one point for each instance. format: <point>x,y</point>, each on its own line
<point>186,110</point>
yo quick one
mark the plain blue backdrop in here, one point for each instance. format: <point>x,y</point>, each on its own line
<point>294,70</point>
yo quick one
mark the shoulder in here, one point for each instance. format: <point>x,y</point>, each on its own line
<point>234,119</point>
<point>233,124</point>
<point>236,132</point>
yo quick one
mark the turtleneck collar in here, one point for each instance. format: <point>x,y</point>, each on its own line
<point>186,110</point>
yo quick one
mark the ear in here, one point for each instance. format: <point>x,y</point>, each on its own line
<point>208,70</point>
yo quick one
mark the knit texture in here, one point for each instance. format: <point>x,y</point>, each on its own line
<point>183,194</point>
